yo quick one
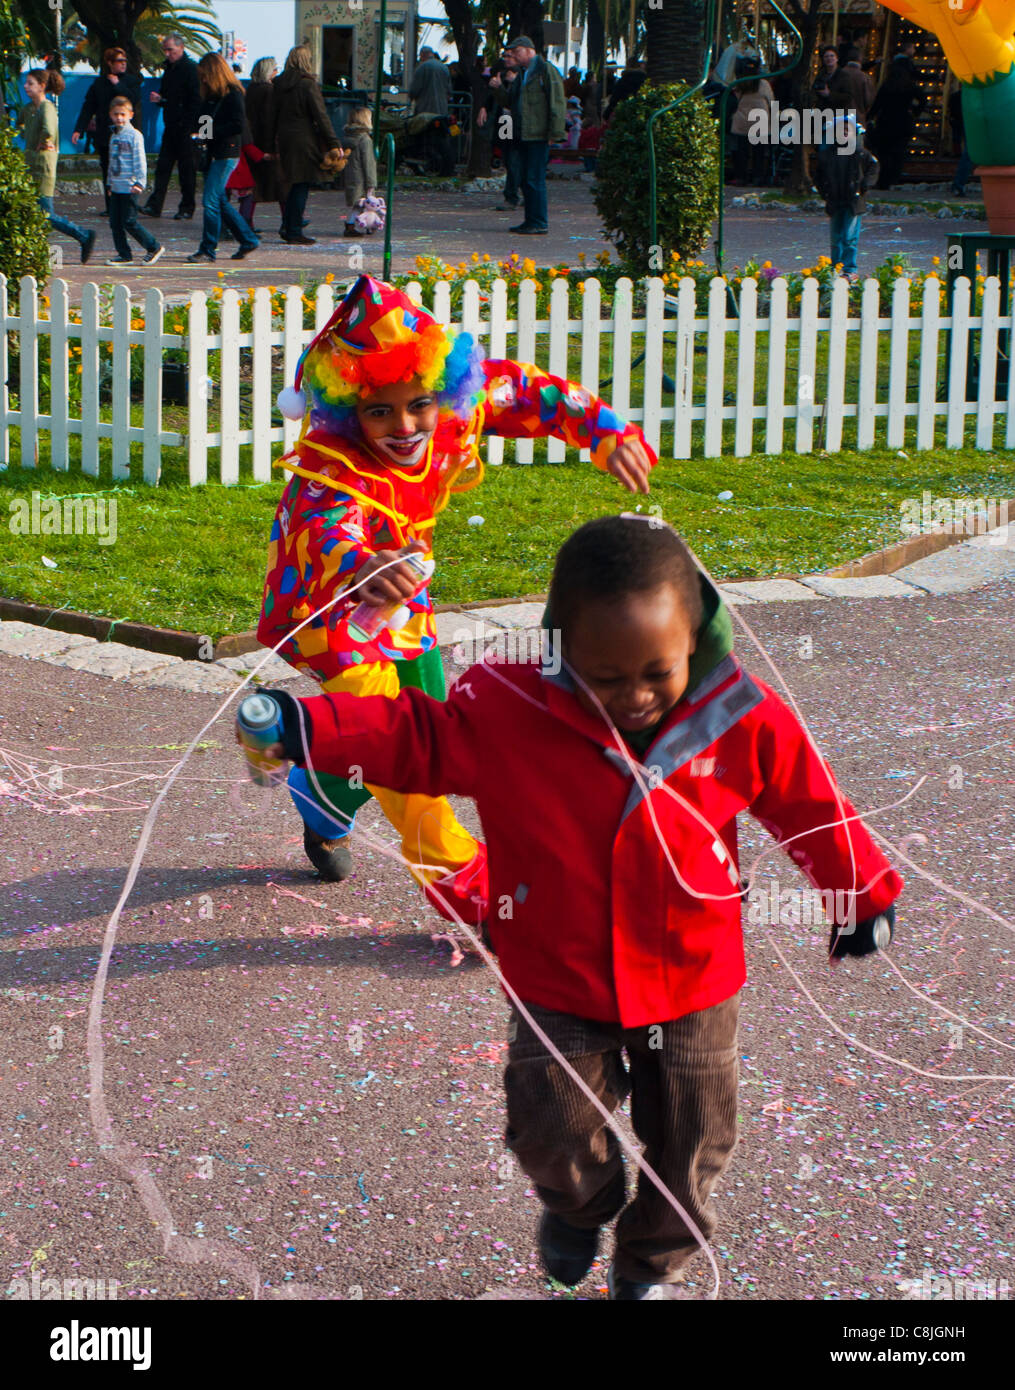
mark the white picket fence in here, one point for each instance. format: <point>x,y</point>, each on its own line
<point>762,383</point>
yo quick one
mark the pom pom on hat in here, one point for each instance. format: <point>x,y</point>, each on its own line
<point>292,403</point>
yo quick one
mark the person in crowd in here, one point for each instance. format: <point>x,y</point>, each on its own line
<point>965,167</point>
<point>430,87</point>
<point>750,159</point>
<point>113,81</point>
<point>591,103</point>
<point>536,103</point>
<point>361,170</point>
<point>843,180</point>
<point>178,98</point>
<point>828,66</point>
<point>259,97</point>
<point>220,125</point>
<point>893,116</point>
<point>573,123</point>
<point>301,135</point>
<point>627,84</point>
<point>40,127</point>
<point>503,133</point>
<point>127,178</point>
<point>851,89</point>
<point>573,83</point>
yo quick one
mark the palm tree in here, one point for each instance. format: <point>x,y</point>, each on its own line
<point>675,42</point>
<point>90,26</point>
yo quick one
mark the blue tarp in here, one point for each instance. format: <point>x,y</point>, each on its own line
<point>73,99</point>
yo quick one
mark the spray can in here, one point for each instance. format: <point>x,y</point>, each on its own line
<point>259,724</point>
<point>368,619</point>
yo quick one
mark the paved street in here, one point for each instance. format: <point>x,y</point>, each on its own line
<point>453,225</point>
<point>315,1090</point>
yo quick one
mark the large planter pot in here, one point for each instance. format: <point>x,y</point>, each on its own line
<point>998,184</point>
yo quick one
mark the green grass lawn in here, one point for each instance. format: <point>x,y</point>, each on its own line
<point>193,558</point>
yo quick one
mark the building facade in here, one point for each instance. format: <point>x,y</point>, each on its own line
<point>344,35</point>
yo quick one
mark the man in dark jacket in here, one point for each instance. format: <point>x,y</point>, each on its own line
<point>431,85</point>
<point>850,88</point>
<point>844,170</point>
<point>179,95</point>
<point>537,106</point>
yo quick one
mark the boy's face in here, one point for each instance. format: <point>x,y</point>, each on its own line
<point>399,420</point>
<point>633,654</point>
<point>120,116</point>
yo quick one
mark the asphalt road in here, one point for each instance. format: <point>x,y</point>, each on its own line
<point>453,226</point>
<point>315,1090</point>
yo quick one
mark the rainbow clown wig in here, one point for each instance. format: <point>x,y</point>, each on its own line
<point>375,338</point>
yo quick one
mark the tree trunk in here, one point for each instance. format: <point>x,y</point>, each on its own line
<point>462,20</point>
<point>112,23</point>
<point>526,17</point>
<point>675,42</point>
<point>808,22</point>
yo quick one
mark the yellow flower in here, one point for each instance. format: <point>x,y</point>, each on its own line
<point>935,260</point>
<point>529,266</point>
<point>329,278</point>
<point>581,286</point>
<point>137,323</point>
<point>514,256</point>
<point>767,265</point>
<point>475,256</point>
<point>581,257</point>
<point>221,274</point>
<point>486,256</point>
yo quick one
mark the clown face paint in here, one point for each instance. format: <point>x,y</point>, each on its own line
<point>398,421</point>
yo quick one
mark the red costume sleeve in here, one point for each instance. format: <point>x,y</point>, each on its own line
<point>523,401</point>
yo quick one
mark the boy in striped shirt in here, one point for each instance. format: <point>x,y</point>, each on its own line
<point>128,175</point>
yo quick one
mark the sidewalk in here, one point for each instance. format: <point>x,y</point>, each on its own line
<point>970,565</point>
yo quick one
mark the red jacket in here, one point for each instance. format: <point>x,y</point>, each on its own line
<point>242,178</point>
<point>586,915</point>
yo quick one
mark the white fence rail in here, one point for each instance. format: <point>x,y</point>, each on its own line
<point>733,380</point>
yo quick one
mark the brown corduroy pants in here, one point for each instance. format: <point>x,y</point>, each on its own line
<point>682,1079</point>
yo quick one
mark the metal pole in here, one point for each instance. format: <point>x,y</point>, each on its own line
<point>568,19</point>
<point>389,151</point>
<point>381,36</point>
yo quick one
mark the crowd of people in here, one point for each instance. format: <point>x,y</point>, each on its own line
<point>273,140</point>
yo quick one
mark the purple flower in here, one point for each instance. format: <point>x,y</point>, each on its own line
<point>770,272</point>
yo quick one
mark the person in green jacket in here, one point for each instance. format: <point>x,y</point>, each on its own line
<point>537,106</point>
<point>41,131</point>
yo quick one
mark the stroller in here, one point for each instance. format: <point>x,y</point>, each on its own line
<point>423,143</point>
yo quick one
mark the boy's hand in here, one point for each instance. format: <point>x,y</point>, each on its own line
<point>294,720</point>
<point>872,934</point>
<point>630,466</point>
<point>138,188</point>
<point>396,584</point>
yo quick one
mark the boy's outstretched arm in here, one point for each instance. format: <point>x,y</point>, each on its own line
<point>524,402</point>
<point>800,804</point>
<point>411,743</point>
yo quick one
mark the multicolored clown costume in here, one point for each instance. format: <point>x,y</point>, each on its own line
<point>345,502</point>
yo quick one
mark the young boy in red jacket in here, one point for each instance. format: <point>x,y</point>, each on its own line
<point>609,944</point>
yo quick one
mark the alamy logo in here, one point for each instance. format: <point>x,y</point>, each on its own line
<point>63,516</point>
<point>77,1343</point>
<point>783,125</point>
<point>956,516</point>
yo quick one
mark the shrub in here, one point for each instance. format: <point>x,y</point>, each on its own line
<point>24,228</point>
<point>687,178</point>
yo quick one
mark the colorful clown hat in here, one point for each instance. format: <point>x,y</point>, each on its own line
<point>375,337</point>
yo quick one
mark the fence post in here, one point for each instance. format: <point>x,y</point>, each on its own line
<point>59,393</point>
<point>926,412</point>
<point>292,348</point>
<point>526,349</point>
<point>958,339</point>
<point>152,415</point>
<point>743,431</point>
<point>898,365</point>
<point>652,392</point>
<point>498,350</point>
<point>261,383</point>
<point>556,450</point>
<point>90,380</point>
<point>592,312</point>
<point>121,381</point>
<point>683,370</point>
<point>28,378</point>
<point>835,395</point>
<point>807,366</point>
<point>229,388</point>
<point>870,312</point>
<point>775,399</point>
<point>197,388</point>
<point>989,307</point>
<point>715,366</point>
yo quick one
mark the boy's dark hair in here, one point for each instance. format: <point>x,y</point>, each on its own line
<point>615,556</point>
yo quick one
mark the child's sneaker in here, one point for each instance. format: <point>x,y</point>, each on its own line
<point>567,1251</point>
<point>155,255</point>
<point>329,857</point>
<point>627,1290</point>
